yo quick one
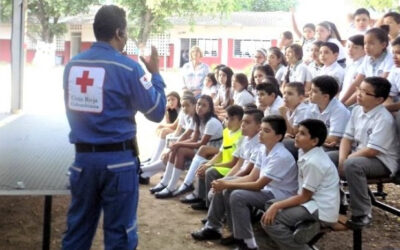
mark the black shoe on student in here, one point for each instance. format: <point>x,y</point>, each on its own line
<point>358,222</point>
<point>206,234</point>
<point>204,221</point>
<point>157,188</point>
<point>189,199</point>
<point>199,206</point>
<point>164,195</point>
<point>185,190</point>
<point>227,241</point>
<point>144,180</point>
<point>242,246</point>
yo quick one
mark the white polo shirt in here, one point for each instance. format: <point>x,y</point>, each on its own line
<point>247,149</point>
<point>318,174</point>
<point>221,94</point>
<point>274,108</point>
<point>314,69</point>
<point>394,79</point>
<point>375,129</point>
<point>334,70</point>
<point>299,114</point>
<point>342,53</point>
<point>280,73</point>
<point>184,120</point>
<point>298,73</point>
<point>279,166</point>
<point>210,90</point>
<point>334,116</point>
<point>351,72</point>
<point>243,98</point>
<point>370,67</point>
<point>213,127</point>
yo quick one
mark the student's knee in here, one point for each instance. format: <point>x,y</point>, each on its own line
<point>237,197</point>
<point>164,132</point>
<point>202,151</point>
<point>352,167</point>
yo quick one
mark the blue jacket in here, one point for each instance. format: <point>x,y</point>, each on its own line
<point>103,91</point>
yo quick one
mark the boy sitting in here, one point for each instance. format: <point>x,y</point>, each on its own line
<point>328,54</point>
<point>369,148</point>
<point>268,98</point>
<point>327,108</point>
<point>274,177</point>
<point>317,198</point>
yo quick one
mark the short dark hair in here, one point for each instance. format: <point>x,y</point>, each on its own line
<point>318,43</point>
<point>310,26</point>
<point>272,80</point>
<point>250,106</point>
<point>316,129</point>
<point>298,86</point>
<point>277,123</point>
<point>108,19</point>
<point>327,85</point>
<point>268,88</point>
<point>235,110</point>
<point>381,86</point>
<point>255,113</point>
<point>357,40</point>
<point>298,50</point>
<point>288,35</point>
<point>361,11</point>
<point>394,15</point>
<point>333,47</point>
<point>396,41</point>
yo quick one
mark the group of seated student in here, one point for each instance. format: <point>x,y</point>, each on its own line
<point>280,139</point>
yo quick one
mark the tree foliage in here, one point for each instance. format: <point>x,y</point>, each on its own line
<point>5,10</point>
<point>377,5</point>
<point>268,5</point>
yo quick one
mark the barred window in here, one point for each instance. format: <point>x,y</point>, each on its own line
<point>209,47</point>
<point>60,44</point>
<point>246,48</point>
<point>161,42</point>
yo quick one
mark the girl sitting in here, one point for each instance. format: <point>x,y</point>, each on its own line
<point>210,86</point>
<point>242,96</point>
<point>277,61</point>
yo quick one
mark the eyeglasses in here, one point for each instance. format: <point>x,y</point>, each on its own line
<point>363,92</point>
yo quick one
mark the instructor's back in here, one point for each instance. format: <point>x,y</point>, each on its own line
<point>103,91</point>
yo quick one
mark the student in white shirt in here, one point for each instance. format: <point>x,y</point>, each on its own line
<point>206,129</point>
<point>296,71</point>
<point>224,96</point>
<point>307,37</point>
<point>361,22</point>
<point>276,59</point>
<point>315,65</point>
<point>392,19</point>
<point>355,52</point>
<point>317,198</point>
<point>328,54</point>
<point>378,62</point>
<point>273,177</point>
<point>210,86</point>
<point>269,99</point>
<point>242,95</point>
<point>260,74</point>
<point>394,79</point>
<point>327,32</point>
<point>327,108</point>
<point>369,148</point>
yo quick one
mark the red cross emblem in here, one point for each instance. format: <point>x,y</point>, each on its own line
<point>84,81</point>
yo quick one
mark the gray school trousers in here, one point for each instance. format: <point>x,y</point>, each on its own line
<point>204,185</point>
<point>357,171</point>
<point>281,231</point>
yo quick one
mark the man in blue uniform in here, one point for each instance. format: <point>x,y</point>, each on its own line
<point>103,91</point>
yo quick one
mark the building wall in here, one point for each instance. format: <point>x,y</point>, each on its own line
<point>5,50</point>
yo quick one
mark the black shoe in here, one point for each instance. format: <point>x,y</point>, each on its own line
<point>227,241</point>
<point>204,221</point>
<point>199,205</point>
<point>206,234</point>
<point>164,195</point>
<point>144,180</point>
<point>190,200</point>
<point>242,246</point>
<point>185,190</point>
<point>157,188</point>
<point>358,222</point>
<point>305,231</point>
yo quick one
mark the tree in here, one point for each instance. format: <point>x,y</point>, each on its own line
<point>269,5</point>
<point>377,5</point>
<point>5,10</point>
<point>44,16</point>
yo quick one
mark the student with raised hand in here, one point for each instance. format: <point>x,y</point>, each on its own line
<point>317,198</point>
<point>296,71</point>
<point>273,177</point>
<point>355,52</point>
<point>277,61</point>
<point>360,23</point>
<point>325,107</point>
<point>327,32</point>
<point>242,95</point>
<point>328,54</point>
<point>378,62</point>
<point>315,65</point>
<point>369,148</point>
<point>307,36</point>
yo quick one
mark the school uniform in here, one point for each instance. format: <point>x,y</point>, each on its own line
<point>334,70</point>
<point>394,79</point>
<point>375,129</point>
<point>370,67</point>
<point>342,54</point>
<point>210,90</point>
<point>277,165</point>
<point>274,108</point>
<point>214,128</point>
<point>334,116</point>
<point>221,94</point>
<point>298,73</point>
<point>318,174</point>
<point>350,75</point>
<point>243,98</point>
<point>307,47</point>
<point>280,73</point>
<point>298,114</point>
<point>314,69</point>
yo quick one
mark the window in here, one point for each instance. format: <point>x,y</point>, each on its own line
<point>60,44</point>
<point>247,48</point>
<point>161,42</point>
<point>209,47</point>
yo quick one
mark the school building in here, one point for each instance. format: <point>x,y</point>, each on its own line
<point>231,40</point>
